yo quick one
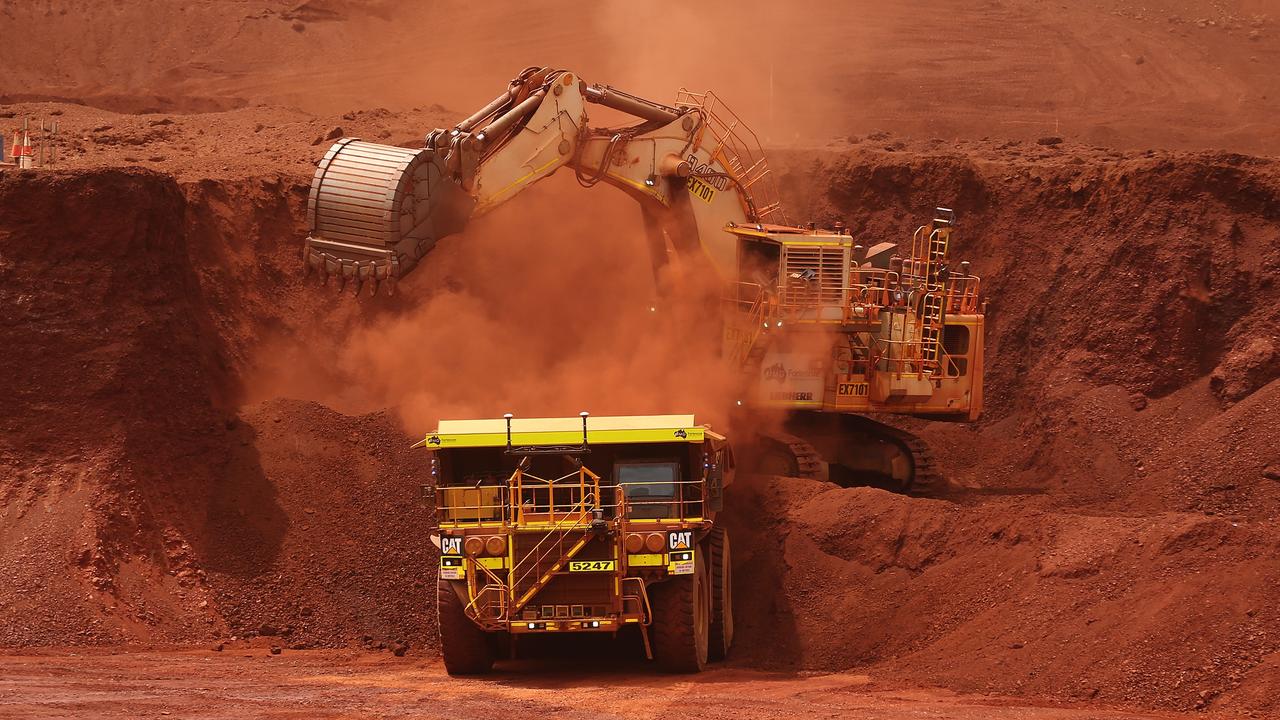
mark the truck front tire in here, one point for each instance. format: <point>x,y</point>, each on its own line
<point>681,620</point>
<point>720,563</point>
<point>465,647</point>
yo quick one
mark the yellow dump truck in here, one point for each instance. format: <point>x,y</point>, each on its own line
<point>582,525</point>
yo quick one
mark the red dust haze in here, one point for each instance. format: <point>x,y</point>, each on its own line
<point>546,306</point>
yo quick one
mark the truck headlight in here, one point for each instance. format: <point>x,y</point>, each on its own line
<point>495,545</point>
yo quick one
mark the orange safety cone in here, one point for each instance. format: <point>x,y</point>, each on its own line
<point>23,154</point>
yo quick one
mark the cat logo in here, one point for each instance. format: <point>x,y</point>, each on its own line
<point>680,540</point>
<point>450,545</point>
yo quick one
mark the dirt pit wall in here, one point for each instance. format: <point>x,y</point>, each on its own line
<point>1132,299</point>
<point>141,503</point>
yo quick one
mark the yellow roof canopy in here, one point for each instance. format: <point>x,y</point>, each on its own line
<point>564,431</point>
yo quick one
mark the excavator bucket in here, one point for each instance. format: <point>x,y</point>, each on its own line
<point>375,210</point>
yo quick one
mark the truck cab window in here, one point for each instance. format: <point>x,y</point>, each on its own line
<point>651,489</point>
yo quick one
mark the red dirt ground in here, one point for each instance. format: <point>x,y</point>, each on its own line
<point>1110,538</point>
<point>327,685</point>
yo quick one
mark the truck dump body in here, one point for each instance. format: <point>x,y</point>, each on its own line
<point>565,524</point>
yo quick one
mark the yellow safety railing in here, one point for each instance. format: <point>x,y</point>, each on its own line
<point>962,294</point>
<point>483,502</point>
<point>680,506</point>
<point>751,308</point>
<point>528,506</point>
<point>870,290</point>
<point>740,152</point>
<point>489,602</point>
<point>641,596</point>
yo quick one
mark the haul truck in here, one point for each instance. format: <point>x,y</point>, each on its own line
<point>582,525</point>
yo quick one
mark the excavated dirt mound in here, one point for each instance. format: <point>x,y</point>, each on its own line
<point>1110,534</point>
<point>1006,595</point>
<point>324,538</point>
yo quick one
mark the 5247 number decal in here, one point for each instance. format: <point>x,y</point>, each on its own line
<point>591,565</point>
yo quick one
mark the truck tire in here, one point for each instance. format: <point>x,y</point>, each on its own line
<point>465,647</point>
<point>681,624</point>
<point>720,563</point>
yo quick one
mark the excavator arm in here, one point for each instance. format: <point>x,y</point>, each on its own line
<point>376,210</point>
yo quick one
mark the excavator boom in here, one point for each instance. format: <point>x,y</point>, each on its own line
<point>376,210</point>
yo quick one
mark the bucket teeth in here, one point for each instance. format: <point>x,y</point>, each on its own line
<point>354,272</point>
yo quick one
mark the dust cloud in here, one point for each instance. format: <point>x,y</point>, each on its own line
<point>546,306</point>
<point>766,61</point>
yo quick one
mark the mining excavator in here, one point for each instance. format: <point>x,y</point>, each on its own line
<point>827,330</point>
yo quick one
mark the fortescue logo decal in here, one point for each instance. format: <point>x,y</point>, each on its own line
<point>776,373</point>
<point>681,433</point>
<point>433,440</point>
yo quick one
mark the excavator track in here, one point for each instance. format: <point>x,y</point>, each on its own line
<point>807,460</point>
<point>859,450</point>
<point>926,475</point>
<point>779,453</point>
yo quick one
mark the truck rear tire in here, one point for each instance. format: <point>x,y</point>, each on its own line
<point>720,563</point>
<point>681,624</point>
<point>465,647</point>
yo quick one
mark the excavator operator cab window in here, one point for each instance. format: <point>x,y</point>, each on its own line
<point>652,489</point>
<point>759,262</point>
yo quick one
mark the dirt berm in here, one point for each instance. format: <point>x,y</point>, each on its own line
<point>1111,535</point>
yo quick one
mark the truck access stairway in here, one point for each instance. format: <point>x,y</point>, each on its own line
<point>550,555</point>
<point>499,598</point>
